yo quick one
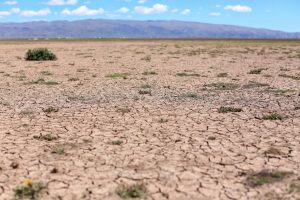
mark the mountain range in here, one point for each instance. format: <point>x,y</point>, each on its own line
<point>103,28</point>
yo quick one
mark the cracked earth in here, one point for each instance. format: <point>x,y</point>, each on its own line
<point>158,125</point>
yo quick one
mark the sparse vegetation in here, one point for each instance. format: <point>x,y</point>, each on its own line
<point>123,75</point>
<point>191,95</point>
<point>145,91</point>
<point>145,86</point>
<point>42,81</point>
<point>50,110</point>
<point>222,86</point>
<point>223,109</point>
<point>40,54</point>
<point>294,77</point>
<point>29,189</point>
<point>283,92</point>
<point>58,149</point>
<point>134,191</point>
<point>73,79</point>
<point>273,116</point>
<point>47,137</point>
<point>254,84</point>
<point>162,120</point>
<point>149,73</point>
<point>266,177</point>
<point>256,71</point>
<point>123,110</point>
<point>46,73</point>
<point>222,75</point>
<point>146,58</point>
<point>117,142</point>
<point>183,74</point>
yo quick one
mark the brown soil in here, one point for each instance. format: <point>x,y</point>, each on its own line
<point>116,114</point>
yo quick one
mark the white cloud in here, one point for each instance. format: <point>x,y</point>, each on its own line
<point>142,1</point>
<point>61,2</point>
<point>214,14</point>
<point>157,8</point>
<point>186,12</point>
<point>11,2</point>
<point>4,13</point>
<point>15,10</point>
<point>238,8</point>
<point>34,13</point>
<point>123,10</point>
<point>83,11</point>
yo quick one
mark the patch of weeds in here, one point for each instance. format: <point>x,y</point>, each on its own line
<point>47,137</point>
<point>116,142</point>
<point>223,109</point>
<point>145,91</point>
<point>146,58</point>
<point>46,73</point>
<point>76,98</point>
<point>284,69</point>
<point>185,74</point>
<point>149,73</point>
<point>133,191</point>
<point>40,54</point>
<point>254,84</point>
<point>42,81</point>
<point>222,75</point>
<point>81,70</point>
<point>22,77</point>
<point>256,71</point>
<point>191,95</point>
<point>222,86</point>
<point>297,77</point>
<point>123,110</point>
<point>294,187</point>
<point>266,177</point>
<point>123,75</point>
<point>29,189</point>
<point>50,110</point>
<point>26,112</point>
<point>162,120</point>
<point>73,79</point>
<point>283,92</point>
<point>145,86</point>
<point>58,149</point>
<point>273,116</point>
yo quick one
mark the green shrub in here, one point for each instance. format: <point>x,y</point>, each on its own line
<point>40,54</point>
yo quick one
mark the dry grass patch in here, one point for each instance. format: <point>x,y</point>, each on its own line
<point>137,191</point>
<point>266,177</point>
<point>223,109</point>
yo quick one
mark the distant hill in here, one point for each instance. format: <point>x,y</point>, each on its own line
<point>100,28</point>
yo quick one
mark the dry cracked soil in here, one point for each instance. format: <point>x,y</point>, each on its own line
<point>178,120</point>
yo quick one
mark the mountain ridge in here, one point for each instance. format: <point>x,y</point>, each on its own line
<point>105,28</point>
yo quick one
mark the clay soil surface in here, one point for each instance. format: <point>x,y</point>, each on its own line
<point>110,116</point>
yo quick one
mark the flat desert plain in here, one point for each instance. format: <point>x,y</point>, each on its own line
<point>156,119</point>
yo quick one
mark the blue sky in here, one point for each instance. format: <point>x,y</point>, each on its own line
<point>273,14</point>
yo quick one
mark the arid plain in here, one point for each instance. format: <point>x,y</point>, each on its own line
<point>156,119</point>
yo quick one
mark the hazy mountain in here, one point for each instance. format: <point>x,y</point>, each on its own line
<point>134,29</point>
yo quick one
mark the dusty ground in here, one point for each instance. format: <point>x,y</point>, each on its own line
<point>161,129</point>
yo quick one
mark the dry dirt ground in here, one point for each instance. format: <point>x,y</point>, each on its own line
<point>110,116</point>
